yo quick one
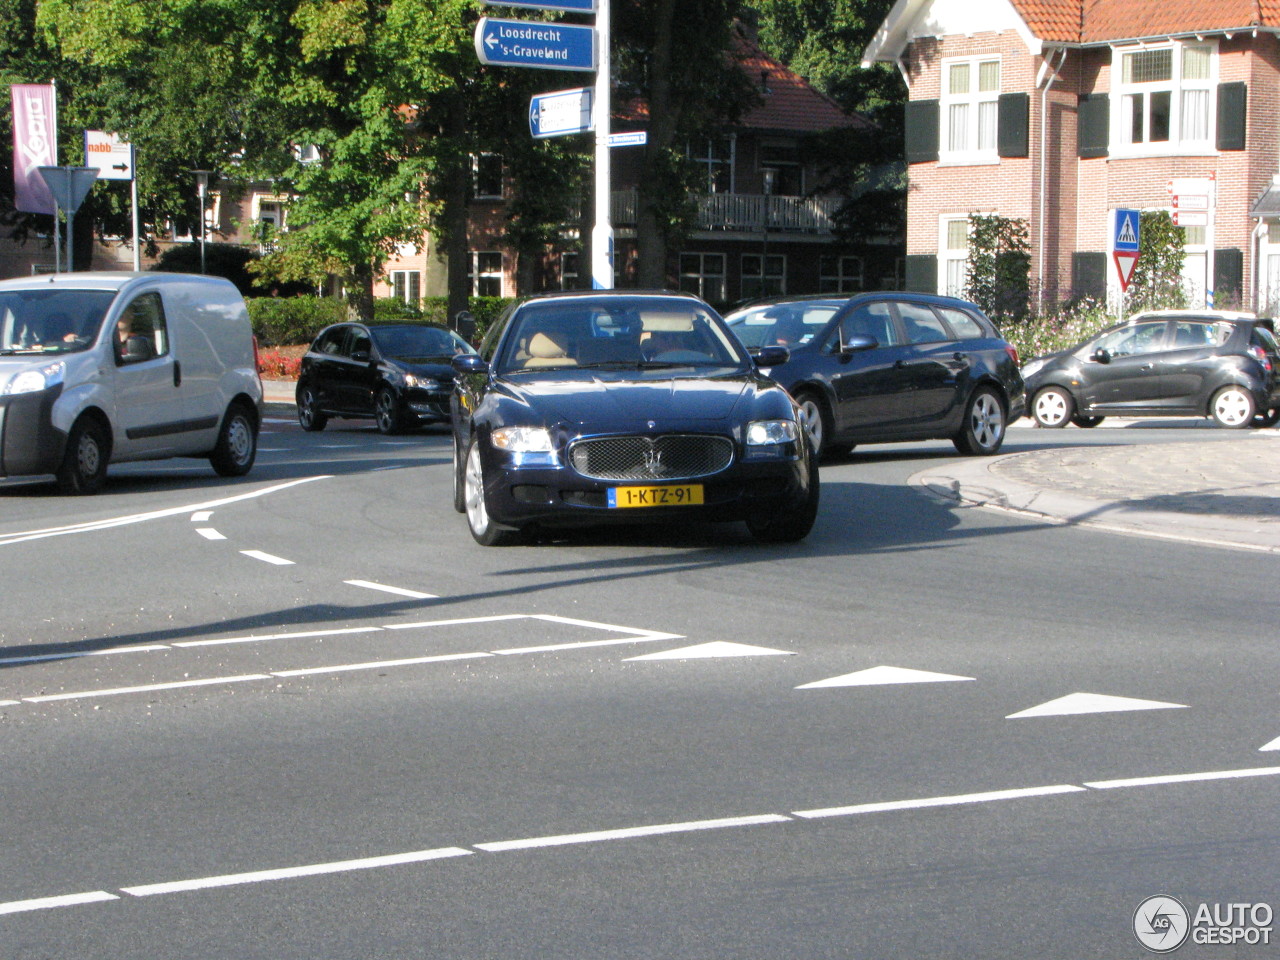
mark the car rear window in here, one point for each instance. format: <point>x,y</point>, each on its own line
<point>922,324</point>
<point>965,326</point>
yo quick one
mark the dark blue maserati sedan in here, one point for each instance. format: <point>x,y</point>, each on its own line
<point>590,407</point>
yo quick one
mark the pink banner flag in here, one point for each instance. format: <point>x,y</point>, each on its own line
<point>35,145</point>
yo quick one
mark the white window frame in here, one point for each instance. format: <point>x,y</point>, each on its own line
<point>1183,139</point>
<point>570,264</point>
<point>406,286</point>
<point>477,180</point>
<point>707,275</point>
<point>476,275</point>
<point>703,152</point>
<point>953,261</point>
<point>849,275</point>
<point>969,123</point>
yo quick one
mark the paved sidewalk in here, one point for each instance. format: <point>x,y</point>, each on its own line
<point>1222,493</point>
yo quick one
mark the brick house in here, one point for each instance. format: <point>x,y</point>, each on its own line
<point>1057,112</point>
<point>760,228</point>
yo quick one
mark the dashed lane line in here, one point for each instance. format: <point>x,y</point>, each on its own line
<point>397,591</point>
<point>268,558</point>
<point>602,836</point>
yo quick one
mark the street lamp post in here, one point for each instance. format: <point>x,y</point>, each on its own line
<point>202,190</point>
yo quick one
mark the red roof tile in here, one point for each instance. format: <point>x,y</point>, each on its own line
<point>1100,21</point>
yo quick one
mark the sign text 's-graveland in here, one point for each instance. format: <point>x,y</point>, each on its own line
<point>525,43</point>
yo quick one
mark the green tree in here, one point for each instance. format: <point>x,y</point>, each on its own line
<point>1156,282</point>
<point>999,266</point>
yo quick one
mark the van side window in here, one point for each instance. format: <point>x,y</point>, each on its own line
<point>141,331</point>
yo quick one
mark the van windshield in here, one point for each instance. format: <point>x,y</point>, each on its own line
<point>51,321</point>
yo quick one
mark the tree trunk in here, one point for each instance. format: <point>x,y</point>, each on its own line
<point>651,241</point>
<point>455,215</point>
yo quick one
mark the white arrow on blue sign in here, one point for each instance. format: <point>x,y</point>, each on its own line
<point>533,43</point>
<point>560,113</point>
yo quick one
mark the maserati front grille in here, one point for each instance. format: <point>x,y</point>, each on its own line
<point>673,457</point>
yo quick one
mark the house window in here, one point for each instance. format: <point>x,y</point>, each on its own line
<point>703,274</point>
<point>780,171</point>
<point>953,258</point>
<point>1166,97</point>
<point>570,265</point>
<point>763,276</point>
<point>486,176</point>
<point>715,156</point>
<point>970,107</point>
<point>840,274</point>
<point>406,285</point>
<point>486,274</point>
<point>1195,266</point>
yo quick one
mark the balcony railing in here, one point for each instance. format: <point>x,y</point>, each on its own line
<point>745,212</point>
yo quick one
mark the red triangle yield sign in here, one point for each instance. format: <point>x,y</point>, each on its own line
<point>1126,260</point>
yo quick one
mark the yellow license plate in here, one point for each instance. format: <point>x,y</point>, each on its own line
<point>672,495</point>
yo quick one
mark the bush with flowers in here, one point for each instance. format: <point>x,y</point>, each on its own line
<point>276,364</point>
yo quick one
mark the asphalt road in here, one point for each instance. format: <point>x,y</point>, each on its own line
<point>303,715</point>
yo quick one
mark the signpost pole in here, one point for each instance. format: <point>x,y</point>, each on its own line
<point>133,197</point>
<point>602,234</point>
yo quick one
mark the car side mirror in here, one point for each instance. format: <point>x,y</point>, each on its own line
<point>772,356</point>
<point>470,363</point>
<point>1101,356</point>
<point>858,343</point>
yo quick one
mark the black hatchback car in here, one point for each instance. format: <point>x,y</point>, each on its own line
<point>598,407</point>
<point>397,374</point>
<point>880,367</point>
<point>1164,363</point>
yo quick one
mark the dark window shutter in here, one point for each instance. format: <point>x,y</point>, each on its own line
<point>1228,275</point>
<point>1089,275</point>
<point>1232,100</point>
<point>922,131</point>
<point>1093,123</point>
<point>1013,124</point>
<point>922,273</point>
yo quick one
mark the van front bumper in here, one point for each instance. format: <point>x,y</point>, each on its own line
<point>29,442</point>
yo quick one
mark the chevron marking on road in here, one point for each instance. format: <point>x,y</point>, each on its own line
<point>1077,703</point>
<point>1273,745</point>
<point>717,648</point>
<point>876,676</point>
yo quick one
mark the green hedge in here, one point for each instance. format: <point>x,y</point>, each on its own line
<point>281,321</point>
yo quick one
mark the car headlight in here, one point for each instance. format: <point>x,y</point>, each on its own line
<point>33,381</point>
<point>771,432</point>
<point>1032,367</point>
<point>423,383</point>
<point>522,439</point>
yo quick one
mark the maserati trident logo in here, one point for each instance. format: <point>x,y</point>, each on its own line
<point>653,462</point>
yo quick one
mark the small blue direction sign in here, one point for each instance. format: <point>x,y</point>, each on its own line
<point>533,43</point>
<point>1125,232</point>
<point>636,138</point>
<point>577,6</point>
<point>560,113</point>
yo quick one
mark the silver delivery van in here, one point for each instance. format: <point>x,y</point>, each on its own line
<point>99,368</point>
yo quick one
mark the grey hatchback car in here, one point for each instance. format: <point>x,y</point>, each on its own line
<point>885,367</point>
<point>1171,363</point>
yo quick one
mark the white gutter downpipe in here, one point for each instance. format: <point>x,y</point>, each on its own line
<point>1044,137</point>
<point>1255,252</point>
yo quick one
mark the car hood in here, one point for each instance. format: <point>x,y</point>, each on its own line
<point>612,399</point>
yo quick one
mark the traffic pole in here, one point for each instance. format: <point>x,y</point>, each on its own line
<point>602,233</point>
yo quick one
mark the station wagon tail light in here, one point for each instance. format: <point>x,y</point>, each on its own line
<point>33,381</point>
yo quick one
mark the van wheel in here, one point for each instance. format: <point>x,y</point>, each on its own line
<point>309,415</point>
<point>237,443</point>
<point>84,465</point>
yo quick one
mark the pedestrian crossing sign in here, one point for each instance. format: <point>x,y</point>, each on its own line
<point>1126,227</point>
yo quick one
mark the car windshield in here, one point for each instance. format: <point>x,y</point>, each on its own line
<point>782,324</point>
<point>51,321</point>
<point>618,332</point>
<point>418,343</point>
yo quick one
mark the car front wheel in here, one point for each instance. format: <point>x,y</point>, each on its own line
<point>483,530</point>
<point>791,523</point>
<point>386,411</point>
<point>1233,406</point>
<point>1053,407</point>
<point>982,431</point>
<point>816,421</point>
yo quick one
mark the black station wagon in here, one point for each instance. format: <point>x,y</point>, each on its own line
<point>880,367</point>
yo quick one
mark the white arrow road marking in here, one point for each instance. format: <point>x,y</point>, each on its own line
<point>1075,703</point>
<point>1273,745</point>
<point>717,648</point>
<point>267,558</point>
<point>882,675</point>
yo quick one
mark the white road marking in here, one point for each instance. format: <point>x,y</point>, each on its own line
<point>628,833</point>
<point>460,620</point>
<point>49,697</point>
<point>94,525</point>
<point>398,591</point>
<point>1273,745</point>
<point>377,664</point>
<point>76,654</point>
<point>267,558</point>
<point>48,903</point>
<point>595,836</point>
<point>717,648</point>
<point>302,635</point>
<point>876,676</point>
<point>201,516</point>
<point>1184,778</point>
<point>10,703</point>
<point>1079,703</point>
<point>957,800</point>
<point>288,873</point>
<point>209,533</point>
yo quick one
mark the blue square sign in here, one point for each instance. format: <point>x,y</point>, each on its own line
<point>1125,230</point>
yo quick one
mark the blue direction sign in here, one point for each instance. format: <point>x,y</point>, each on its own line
<point>532,43</point>
<point>1125,230</point>
<point>576,6</point>
<point>560,113</point>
